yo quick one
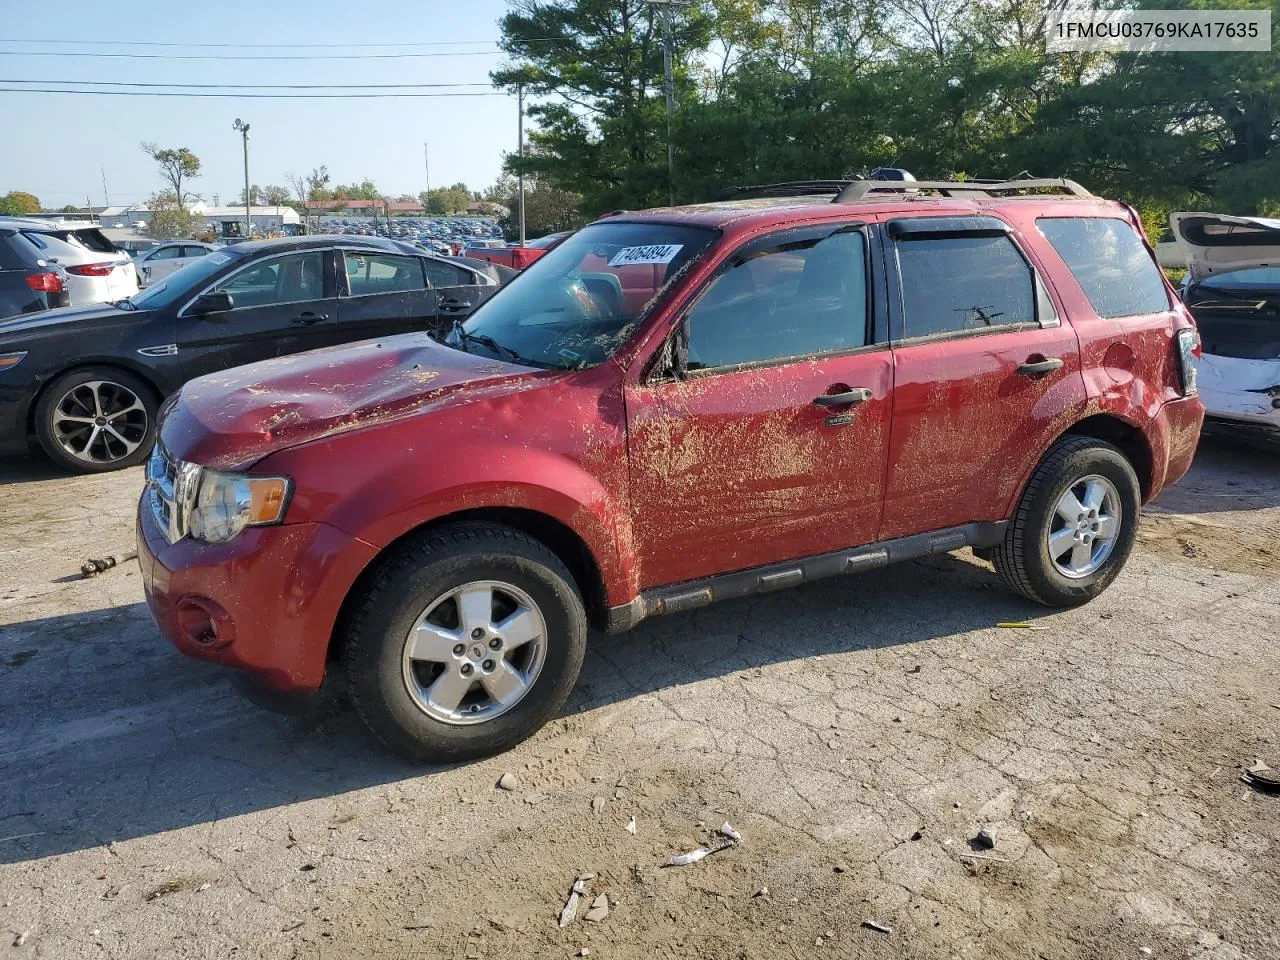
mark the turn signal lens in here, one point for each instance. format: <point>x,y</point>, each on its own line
<point>8,360</point>
<point>266,499</point>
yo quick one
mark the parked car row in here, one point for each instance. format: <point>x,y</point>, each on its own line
<point>86,382</point>
<point>46,263</point>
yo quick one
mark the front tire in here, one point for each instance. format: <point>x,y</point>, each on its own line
<point>1074,526</point>
<point>465,643</point>
<point>97,419</point>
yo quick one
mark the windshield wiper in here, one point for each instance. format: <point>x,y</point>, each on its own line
<point>487,341</point>
<point>125,304</point>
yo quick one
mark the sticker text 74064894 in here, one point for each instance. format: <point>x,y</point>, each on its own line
<point>653,253</point>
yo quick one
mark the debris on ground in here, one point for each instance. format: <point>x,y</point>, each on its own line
<point>599,909</point>
<point>1020,625</point>
<point>840,868</point>
<point>762,892</point>
<point>693,856</point>
<point>535,798</point>
<point>21,938</point>
<point>915,669</point>
<point>575,894</point>
<point>631,826</point>
<point>878,927</point>
<point>597,805</point>
<point>1259,775</point>
<point>291,927</point>
<point>508,781</point>
<point>918,834</point>
<point>166,888</point>
<point>726,830</point>
<point>986,838</point>
<point>584,952</point>
<point>96,565</point>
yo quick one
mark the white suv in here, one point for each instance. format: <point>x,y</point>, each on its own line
<point>96,271</point>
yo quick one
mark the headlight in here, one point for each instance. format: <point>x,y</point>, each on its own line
<point>226,503</point>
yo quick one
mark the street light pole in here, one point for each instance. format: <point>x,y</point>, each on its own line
<point>243,129</point>
<point>520,154</point>
<point>665,6</point>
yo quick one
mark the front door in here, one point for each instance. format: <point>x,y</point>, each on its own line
<point>768,443</point>
<point>281,305</point>
<point>985,371</point>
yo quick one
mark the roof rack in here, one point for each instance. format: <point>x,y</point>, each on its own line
<point>856,190</point>
<point>789,188</point>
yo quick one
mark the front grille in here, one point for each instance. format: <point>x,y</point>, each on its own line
<point>171,486</point>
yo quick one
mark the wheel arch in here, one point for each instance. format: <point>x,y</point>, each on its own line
<point>558,537</point>
<point>1126,436</point>
<point>110,364</point>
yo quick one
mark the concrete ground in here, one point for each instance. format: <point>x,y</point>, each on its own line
<point>858,732</point>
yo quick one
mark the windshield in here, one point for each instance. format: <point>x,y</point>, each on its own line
<point>1256,278</point>
<point>578,304</point>
<point>181,282</point>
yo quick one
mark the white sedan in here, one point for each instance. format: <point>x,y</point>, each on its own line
<point>158,262</point>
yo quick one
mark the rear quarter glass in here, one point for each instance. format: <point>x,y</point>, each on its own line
<point>1110,262</point>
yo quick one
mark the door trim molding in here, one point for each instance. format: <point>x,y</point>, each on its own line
<point>692,594</point>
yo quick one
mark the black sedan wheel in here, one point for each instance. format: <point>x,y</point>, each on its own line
<point>96,419</point>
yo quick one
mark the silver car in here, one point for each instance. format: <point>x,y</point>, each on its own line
<point>158,262</point>
<point>97,272</point>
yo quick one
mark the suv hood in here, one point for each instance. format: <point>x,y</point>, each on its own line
<point>1215,243</point>
<point>234,418</point>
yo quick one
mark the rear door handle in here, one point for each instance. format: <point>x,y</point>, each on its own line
<point>449,303</point>
<point>309,318</point>
<point>1038,368</point>
<point>846,399</point>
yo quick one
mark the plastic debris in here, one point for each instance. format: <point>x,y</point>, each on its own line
<point>631,826</point>
<point>684,859</point>
<point>1259,775</point>
<point>575,895</point>
<point>599,909</point>
<point>597,805</point>
<point>1020,625</point>
<point>986,838</point>
<point>508,781</point>
<point>727,830</point>
<point>878,927</point>
<point>584,952</point>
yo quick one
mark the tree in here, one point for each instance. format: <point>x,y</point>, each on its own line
<point>176,166</point>
<point>70,208</point>
<point>316,181</point>
<point>255,196</point>
<point>15,203</point>
<point>275,196</point>
<point>169,218</point>
<point>447,200</point>
<point>547,208</point>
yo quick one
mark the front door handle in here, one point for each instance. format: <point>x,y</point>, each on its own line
<point>846,399</point>
<point>309,318</point>
<point>1038,368</point>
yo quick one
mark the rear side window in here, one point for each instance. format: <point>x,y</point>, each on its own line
<point>796,300</point>
<point>963,283</point>
<point>369,273</point>
<point>447,275</point>
<point>1110,263</point>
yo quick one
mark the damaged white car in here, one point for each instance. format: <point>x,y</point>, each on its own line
<point>1233,290</point>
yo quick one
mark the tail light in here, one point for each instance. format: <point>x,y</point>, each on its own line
<point>92,269</point>
<point>521,257</point>
<point>45,282</point>
<point>1187,343</point>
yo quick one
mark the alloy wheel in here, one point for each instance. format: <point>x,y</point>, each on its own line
<point>1084,527</point>
<point>475,652</point>
<point>100,421</point>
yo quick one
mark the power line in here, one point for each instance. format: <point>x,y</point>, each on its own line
<point>254,86</point>
<point>255,96</point>
<point>248,56</point>
<point>283,46</point>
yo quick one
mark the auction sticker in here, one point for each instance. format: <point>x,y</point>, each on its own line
<point>654,253</point>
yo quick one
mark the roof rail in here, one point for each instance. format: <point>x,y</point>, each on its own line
<point>789,188</point>
<point>859,189</point>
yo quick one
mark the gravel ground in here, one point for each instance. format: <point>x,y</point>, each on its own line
<point>858,732</point>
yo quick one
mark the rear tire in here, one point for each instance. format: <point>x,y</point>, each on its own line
<point>1056,549</point>
<point>501,598</point>
<point>97,419</point>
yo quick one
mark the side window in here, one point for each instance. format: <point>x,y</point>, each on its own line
<point>166,253</point>
<point>958,283</point>
<point>194,251</point>
<point>447,275</point>
<point>794,300</point>
<point>288,279</point>
<point>1110,263</point>
<point>369,273</point>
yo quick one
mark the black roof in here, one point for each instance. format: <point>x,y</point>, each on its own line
<point>251,248</point>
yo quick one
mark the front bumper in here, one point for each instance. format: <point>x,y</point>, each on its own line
<point>265,603</point>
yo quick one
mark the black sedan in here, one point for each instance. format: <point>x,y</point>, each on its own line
<point>86,382</point>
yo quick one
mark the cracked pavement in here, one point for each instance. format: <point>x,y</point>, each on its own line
<point>857,731</point>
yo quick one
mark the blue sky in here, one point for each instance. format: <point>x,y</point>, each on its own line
<point>55,144</point>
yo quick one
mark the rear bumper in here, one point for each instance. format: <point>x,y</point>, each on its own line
<point>1174,434</point>
<point>265,603</point>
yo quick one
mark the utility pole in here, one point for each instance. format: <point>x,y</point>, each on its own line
<point>520,154</point>
<point>243,129</point>
<point>426,169</point>
<point>106,197</point>
<point>665,6</point>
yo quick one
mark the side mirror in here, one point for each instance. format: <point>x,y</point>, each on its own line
<point>217,301</point>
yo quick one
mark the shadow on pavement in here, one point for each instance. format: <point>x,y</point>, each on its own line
<point>107,734</point>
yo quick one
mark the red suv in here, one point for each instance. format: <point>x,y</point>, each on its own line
<point>670,408</point>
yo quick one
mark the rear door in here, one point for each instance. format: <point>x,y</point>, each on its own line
<point>984,371</point>
<point>770,446</point>
<point>279,303</point>
<point>459,291</point>
<point>382,294</point>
